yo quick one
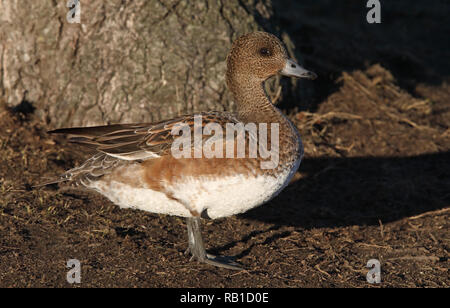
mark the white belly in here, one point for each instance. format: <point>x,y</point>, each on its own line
<point>221,197</point>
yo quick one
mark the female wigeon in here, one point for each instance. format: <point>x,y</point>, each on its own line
<point>135,166</point>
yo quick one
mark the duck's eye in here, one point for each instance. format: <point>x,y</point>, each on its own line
<point>264,52</point>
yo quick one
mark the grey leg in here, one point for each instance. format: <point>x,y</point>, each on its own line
<point>197,249</point>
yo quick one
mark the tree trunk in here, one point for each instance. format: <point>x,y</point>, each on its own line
<point>127,61</point>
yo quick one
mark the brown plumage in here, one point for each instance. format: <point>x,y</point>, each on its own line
<point>135,159</point>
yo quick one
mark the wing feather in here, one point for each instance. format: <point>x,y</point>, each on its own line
<point>137,141</point>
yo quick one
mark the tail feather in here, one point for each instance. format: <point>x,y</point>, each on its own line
<point>92,169</point>
<point>52,180</point>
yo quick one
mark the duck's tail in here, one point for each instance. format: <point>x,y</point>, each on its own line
<point>65,177</point>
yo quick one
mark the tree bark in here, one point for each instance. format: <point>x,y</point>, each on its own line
<point>127,61</point>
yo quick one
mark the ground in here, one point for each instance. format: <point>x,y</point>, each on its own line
<point>374,184</point>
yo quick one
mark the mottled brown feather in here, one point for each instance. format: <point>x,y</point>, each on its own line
<point>247,69</point>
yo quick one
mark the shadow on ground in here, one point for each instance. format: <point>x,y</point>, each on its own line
<point>337,192</point>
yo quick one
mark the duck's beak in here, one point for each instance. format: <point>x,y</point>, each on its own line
<point>292,69</point>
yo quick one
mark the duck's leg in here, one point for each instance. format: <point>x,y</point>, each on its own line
<point>197,249</point>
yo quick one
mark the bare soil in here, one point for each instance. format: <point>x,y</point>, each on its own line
<point>374,184</point>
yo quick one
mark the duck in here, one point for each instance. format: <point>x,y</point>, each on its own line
<point>139,165</point>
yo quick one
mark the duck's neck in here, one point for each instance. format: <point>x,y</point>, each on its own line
<point>254,106</point>
<point>253,103</point>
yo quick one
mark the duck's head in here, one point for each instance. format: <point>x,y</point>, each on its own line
<point>258,56</point>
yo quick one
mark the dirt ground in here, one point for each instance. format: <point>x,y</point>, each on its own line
<point>374,184</point>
